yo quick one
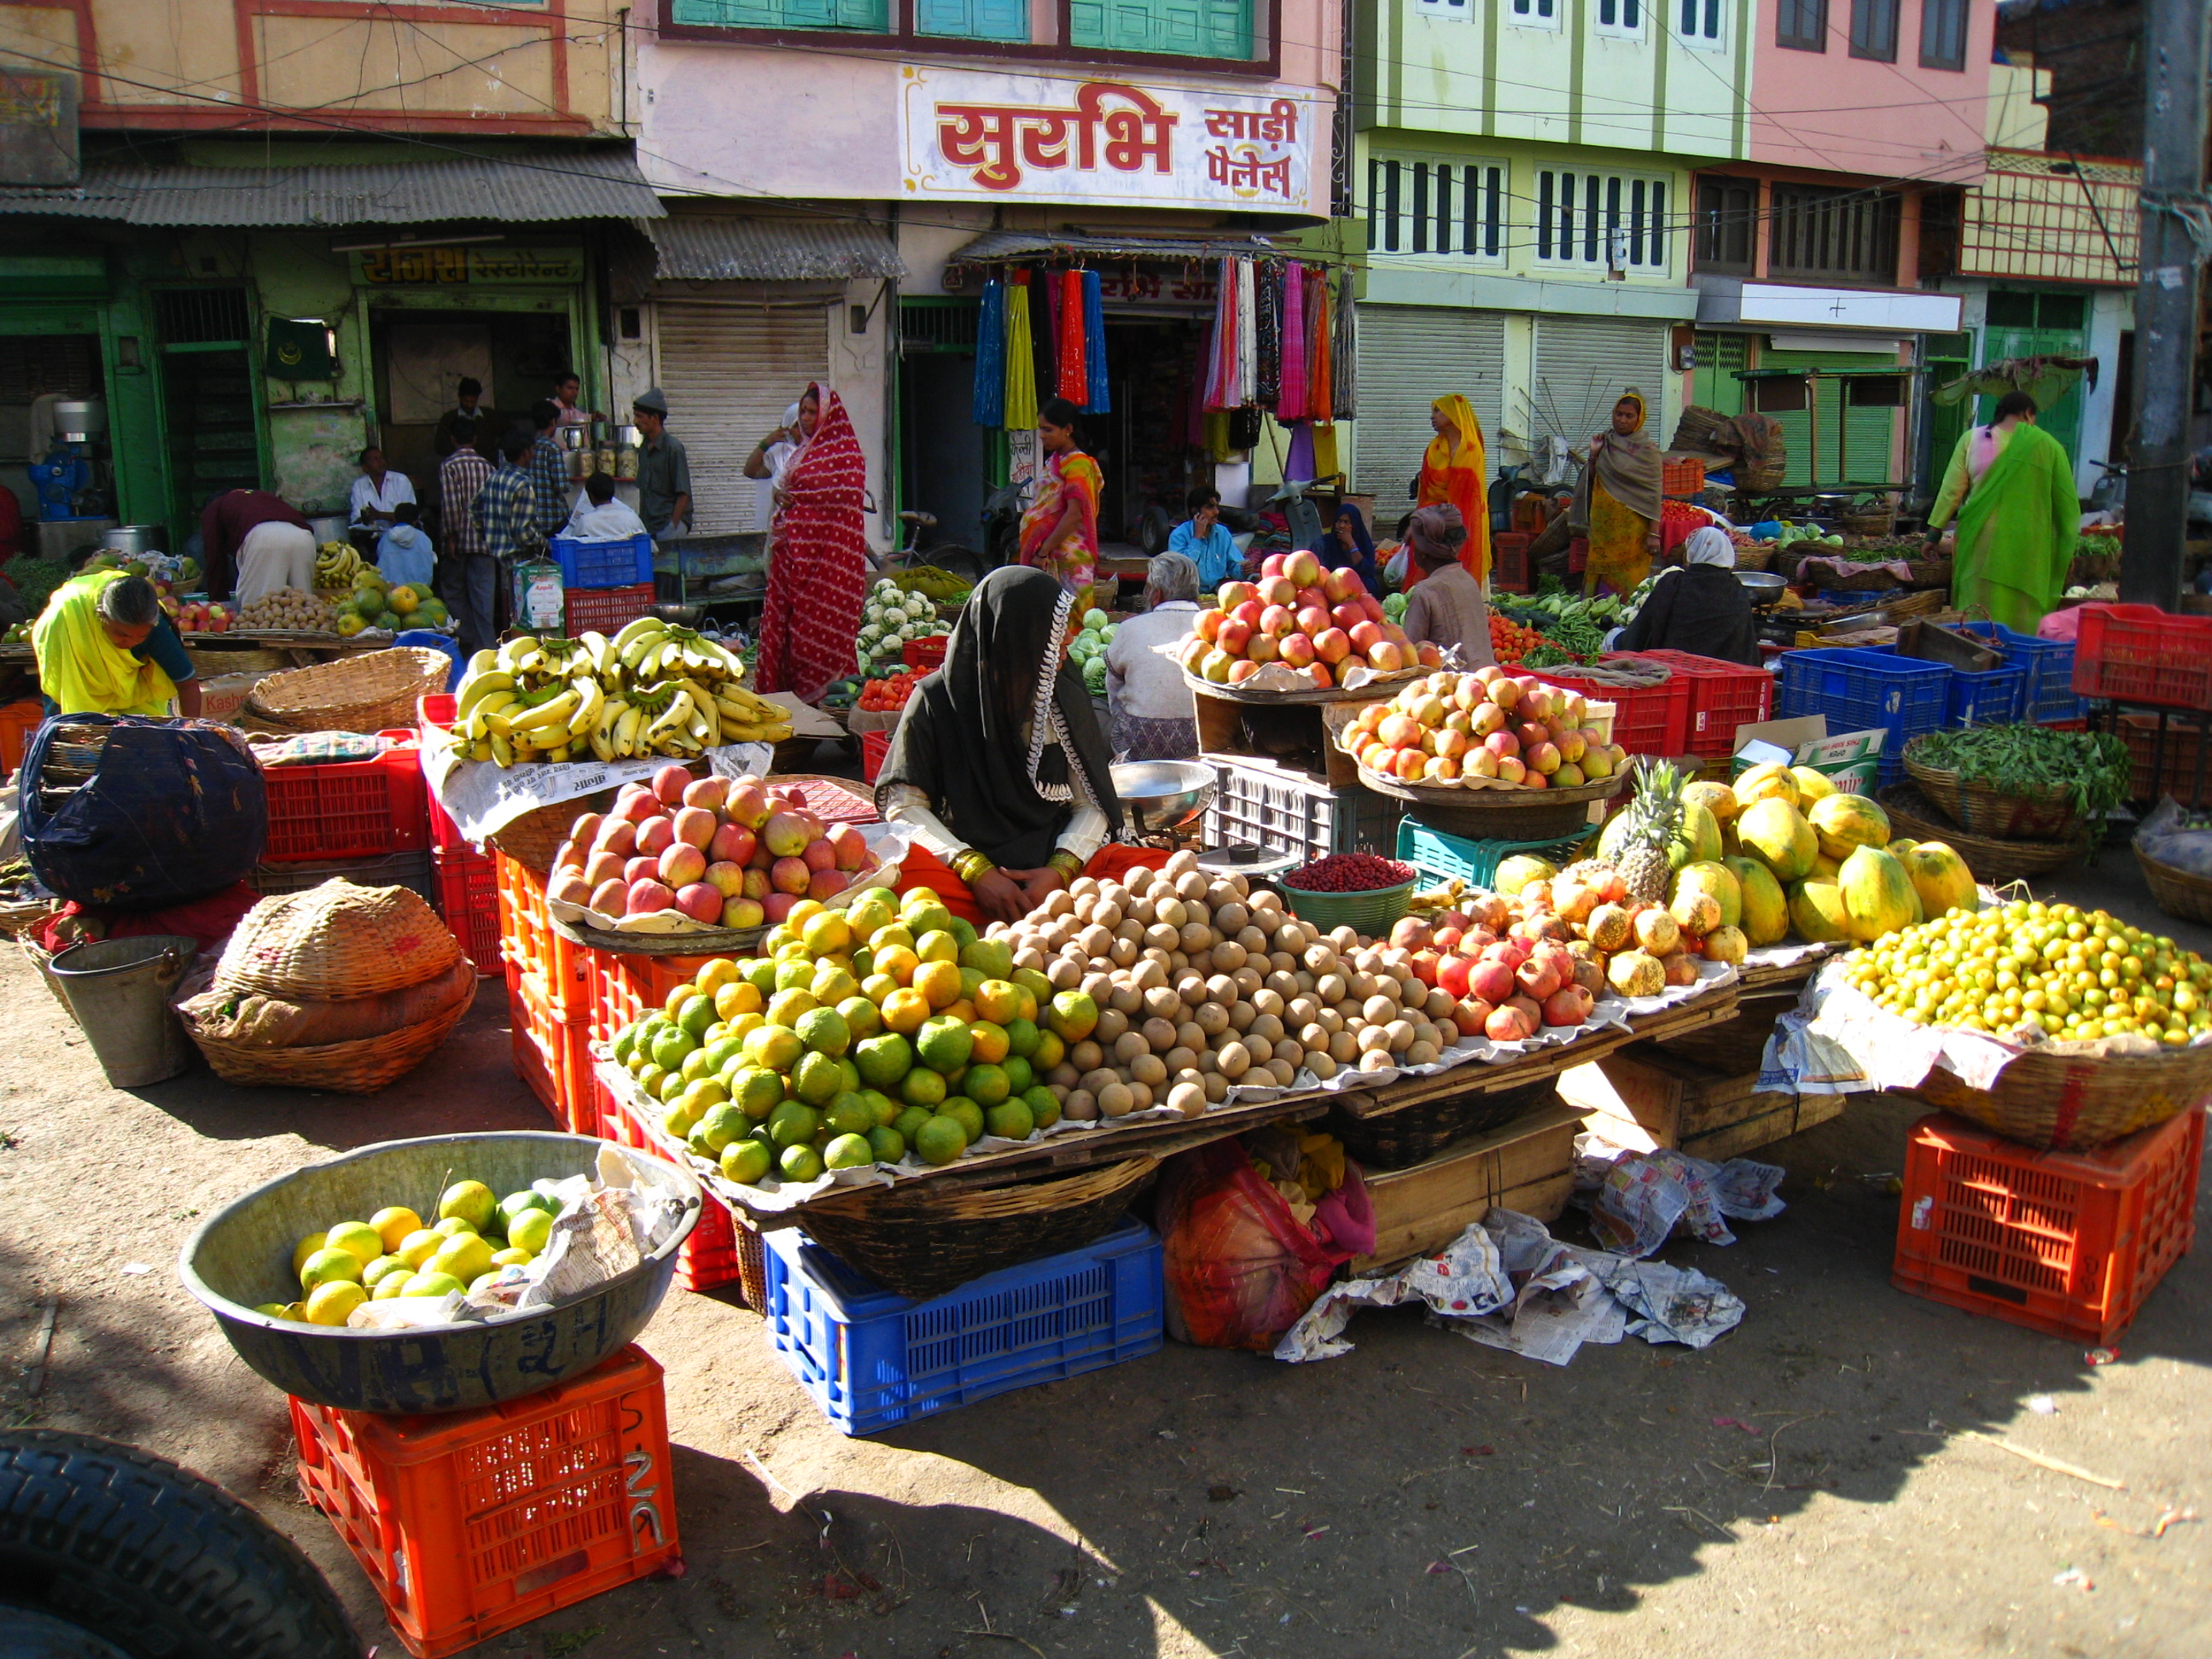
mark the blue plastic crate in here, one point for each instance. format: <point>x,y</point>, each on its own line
<point>1993,697</point>
<point>1439,857</point>
<point>2050,666</point>
<point>603,564</point>
<point>1858,691</point>
<point>873,1360</point>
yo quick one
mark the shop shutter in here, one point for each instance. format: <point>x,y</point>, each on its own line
<point>729,371</point>
<point>1582,365</point>
<point>1409,357</point>
<point>1871,429</point>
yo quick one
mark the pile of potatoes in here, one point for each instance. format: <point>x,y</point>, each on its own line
<point>1202,984</point>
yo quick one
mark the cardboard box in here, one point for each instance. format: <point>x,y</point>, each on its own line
<point>1850,760</point>
<point>223,696</point>
<point>1644,1098</point>
<point>1527,1165</point>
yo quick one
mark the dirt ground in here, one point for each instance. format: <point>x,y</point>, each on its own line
<point>1832,1478</point>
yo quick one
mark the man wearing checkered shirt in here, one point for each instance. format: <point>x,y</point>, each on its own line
<point>461,478</point>
<point>505,514</point>
<point>549,471</point>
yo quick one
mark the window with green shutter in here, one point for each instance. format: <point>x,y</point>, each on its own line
<point>973,20</point>
<point>1187,28</point>
<point>857,16</point>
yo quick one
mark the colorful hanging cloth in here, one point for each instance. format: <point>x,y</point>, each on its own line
<point>1248,344</point>
<point>990,405</point>
<point>1290,400</point>
<point>1073,380</point>
<point>1320,368</point>
<point>1021,410</point>
<point>1100,397</point>
<point>1299,466</point>
<point>1344,356</point>
<point>1221,358</point>
<point>1267,342</point>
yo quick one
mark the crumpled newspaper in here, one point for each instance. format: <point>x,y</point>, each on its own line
<point>1637,1200</point>
<point>1508,1284</point>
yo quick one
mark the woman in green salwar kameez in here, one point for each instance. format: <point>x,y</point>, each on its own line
<point>2019,521</point>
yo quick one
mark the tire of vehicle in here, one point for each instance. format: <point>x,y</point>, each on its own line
<point>151,1558</point>
<point>962,562</point>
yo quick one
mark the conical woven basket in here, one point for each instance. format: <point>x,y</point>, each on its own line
<point>367,693</point>
<point>337,941</point>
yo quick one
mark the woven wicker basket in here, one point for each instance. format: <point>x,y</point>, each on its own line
<point>367,693</point>
<point>360,1067</point>
<point>1870,579</point>
<point>2175,891</point>
<point>1995,862</point>
<point>1757,556</point>
<point>1927,573</point>
<point>2047,814</point>
<point>2075,1102</point>
<point>535,836</point>
<point>921,1242</point>
<point>337,941</point>
<point>1392,1140</point>
<point>1883,523</point>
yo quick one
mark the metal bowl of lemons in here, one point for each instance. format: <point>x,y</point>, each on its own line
<point>251,1256</point>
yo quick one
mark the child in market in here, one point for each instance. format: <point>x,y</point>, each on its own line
<point>403,551</point>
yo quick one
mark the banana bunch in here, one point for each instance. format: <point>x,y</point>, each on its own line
<point>654,688</point>
<point>337,563</point>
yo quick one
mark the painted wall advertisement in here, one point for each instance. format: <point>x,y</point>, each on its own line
<point>987,137</point>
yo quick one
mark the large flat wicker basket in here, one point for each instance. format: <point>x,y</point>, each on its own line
<point>367,693</point>
<point>360,1067</point>
<point>2073,1102</point>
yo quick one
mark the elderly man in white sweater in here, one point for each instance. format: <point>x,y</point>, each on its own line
<point>1149,714</point>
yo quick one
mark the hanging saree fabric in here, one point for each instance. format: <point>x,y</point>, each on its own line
<point>1100,396</point>
<point>1290,401</point>
<point>1073,380</point>
<point>1267,332</point>
<point>1222,391</point>
<point>1021,409</point>
<point>1344,357</point>
<point>990,403</point>
<point>1319,367</point>
<point>1248,345</point>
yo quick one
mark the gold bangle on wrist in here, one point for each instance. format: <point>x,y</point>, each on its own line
<point>1066,863</point>
<point>971,865</point>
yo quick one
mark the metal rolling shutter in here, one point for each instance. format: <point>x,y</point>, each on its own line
<point>1582,365</point>
<point>729,370</point>
<point>1409,357</point>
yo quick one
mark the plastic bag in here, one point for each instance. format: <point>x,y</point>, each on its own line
<point>2173,835</point>
<point>171,812</point>
<point>1239,1268</point>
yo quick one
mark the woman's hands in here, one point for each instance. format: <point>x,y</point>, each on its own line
<point>1002,898</point>
<point>1038,885</point>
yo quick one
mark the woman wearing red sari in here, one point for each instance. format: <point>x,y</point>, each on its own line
<point>817,575</point>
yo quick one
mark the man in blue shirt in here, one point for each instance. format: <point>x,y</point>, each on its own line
<point>1204,540</point>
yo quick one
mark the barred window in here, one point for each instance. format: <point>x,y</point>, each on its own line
<point>1424,206</point>
<point>1610,220</point>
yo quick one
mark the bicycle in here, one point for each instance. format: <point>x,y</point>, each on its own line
<point>961,562</point>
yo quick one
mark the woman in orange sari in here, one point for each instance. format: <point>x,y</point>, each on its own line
<point>1616,505</point>
<point>1453,473</point>
<point>1059,534</point>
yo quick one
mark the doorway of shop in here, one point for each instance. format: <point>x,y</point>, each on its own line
<point>421,357</point>
<point>32,366</point>
<point>946,460</point>
<point>1146,444</point>
<point>2024,324</point>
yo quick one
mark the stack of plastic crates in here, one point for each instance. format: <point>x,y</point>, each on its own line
<point>547,999</point>
<point>367,821</point>
<point>1722,695</point>
<point>1647,720</point>
<point>476,1522</point>
<point>722,1250</point>
<point>467,888</point>
<point>1862,691</point>
<point>2049,665</point>
<point>2138,654</point>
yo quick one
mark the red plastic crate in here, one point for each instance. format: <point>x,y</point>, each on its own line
<point>1646,720</point>
<point>605,609</point>
<point>624,987</point>
<point>2139,653</point>
<point>925,656</point>
<point>1681,477</point>
<point>468,900</point>
<point>875,750</point>
<point>1509,560</point>
<point>712,1257</point>
<point>833,799</point>
<point>526,933</point>
<point>551,1054</point>
<point>17,722</point>
<point>474,1523</point>
<point>1722,697</point>
<point>2068,1243</point>
<point>347,810</point>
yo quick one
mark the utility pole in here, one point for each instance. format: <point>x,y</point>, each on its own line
<point>2166,303</point>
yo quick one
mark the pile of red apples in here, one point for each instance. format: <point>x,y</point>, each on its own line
<point>1318,624</point>
<point>733,852</point>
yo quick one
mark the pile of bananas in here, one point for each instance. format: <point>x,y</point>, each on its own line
<point>654,688</point>
<point>336,564</point>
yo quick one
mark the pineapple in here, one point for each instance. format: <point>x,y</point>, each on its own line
<point>1654,820</point>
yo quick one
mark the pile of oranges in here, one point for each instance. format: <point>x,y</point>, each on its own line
<point>887,696</point>
<point>1508,641</point>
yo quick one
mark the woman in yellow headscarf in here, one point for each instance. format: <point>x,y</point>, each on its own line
<point>1616,505</point>
<point>1454,473</point>
<point>104,647</point>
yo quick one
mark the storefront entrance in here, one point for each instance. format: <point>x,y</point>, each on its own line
<point>421,356</point>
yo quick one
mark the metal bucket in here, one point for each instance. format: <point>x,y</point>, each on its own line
<point>118,990</point>
<point>132,540</point>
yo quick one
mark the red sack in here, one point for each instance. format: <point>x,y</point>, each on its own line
<point>1239,1268</point>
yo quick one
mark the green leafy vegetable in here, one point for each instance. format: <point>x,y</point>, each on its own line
<point>2089,768</point>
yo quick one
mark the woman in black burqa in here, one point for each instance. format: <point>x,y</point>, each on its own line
<point>997,764</point>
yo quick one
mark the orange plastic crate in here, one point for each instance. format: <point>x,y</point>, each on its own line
<point>475,1522</point>
<point>1681,477</point>
<point>525,922</point>
<point>468,899</point>
<point>17,722</point>
<point>625,987</point>
<point>2068,1243</point>
<point>875,750</point>
<point>551,1054</point>
<point>349,809</point>
<point>710,1259</point>
<point>1509,560</point>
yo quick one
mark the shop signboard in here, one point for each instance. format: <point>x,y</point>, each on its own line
<point>978,135</point>
<point>491,265</point>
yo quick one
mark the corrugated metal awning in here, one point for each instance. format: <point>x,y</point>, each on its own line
<point>1043,245</point>
<point>601,184</point>
<point>714,248</point>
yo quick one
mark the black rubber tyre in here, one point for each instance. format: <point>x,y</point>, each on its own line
<point>151,1558</point>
